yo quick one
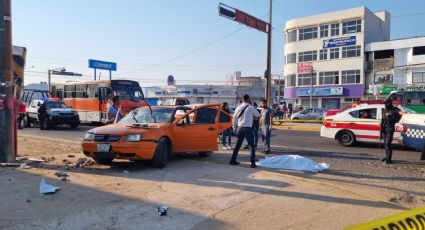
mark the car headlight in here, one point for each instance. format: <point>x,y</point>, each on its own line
<point>132,137</point>
<point>89,137</point>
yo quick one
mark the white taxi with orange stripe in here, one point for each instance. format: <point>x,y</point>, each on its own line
<point>358,124</point>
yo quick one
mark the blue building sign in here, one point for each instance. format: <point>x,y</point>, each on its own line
<point>337,42</point>
<point>96,64</point>
<point>330,91</point>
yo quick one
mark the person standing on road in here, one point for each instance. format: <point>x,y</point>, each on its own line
<point>290,110</point>
<point>244,116</point>
<point>285,110</point>
<point>42,114</point>
<point>114,111</point>
<point>266,125</point>
<point>390,117</point>
<point>227,134</point>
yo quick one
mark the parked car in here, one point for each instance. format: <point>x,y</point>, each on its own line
<point>358,124</point>
<point>58,113</point>
<point>146,135</point>
<point>309,114</point>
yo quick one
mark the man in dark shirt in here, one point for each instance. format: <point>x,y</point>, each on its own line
<point>390,117</point>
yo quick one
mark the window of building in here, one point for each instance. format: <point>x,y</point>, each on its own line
<point>352,26</point>
<point>292,36</point>
<point>324,31</point>
<point>351,51</point>
<point>350,77</point>
<point>383,78</point>
<point>418,77</point>
<point>305,79</point>
<point>334,53</point>
<point>307,56</point>
<point>329,78</point>
<point>419,50</point>
<point>291,80</point>
<point>335,29</point>
<point>291,58</point>
<point>323,55</point>
<point>307,33</point>
<point>364,113</point>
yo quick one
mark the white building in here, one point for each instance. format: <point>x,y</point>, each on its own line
<point>196,94</point>
<point>334,43</point>
<point>397,63</point>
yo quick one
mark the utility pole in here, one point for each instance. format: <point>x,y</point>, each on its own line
<point>7,123</point>
<point>269,57</point>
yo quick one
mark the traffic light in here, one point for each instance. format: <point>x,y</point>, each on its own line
<point>226,11</point>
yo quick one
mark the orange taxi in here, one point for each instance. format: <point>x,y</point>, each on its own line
<point>154,135</point>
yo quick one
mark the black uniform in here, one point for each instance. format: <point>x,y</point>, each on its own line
<point>390,117</point>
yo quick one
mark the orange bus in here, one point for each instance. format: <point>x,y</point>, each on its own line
<point>92,98</point>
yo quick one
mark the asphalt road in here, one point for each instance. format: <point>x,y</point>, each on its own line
<point>357,166</point>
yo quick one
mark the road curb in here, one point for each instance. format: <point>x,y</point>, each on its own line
<point>298,127</point>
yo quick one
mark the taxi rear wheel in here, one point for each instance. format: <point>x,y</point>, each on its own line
<point>346,138</point>
<point>160,158</point>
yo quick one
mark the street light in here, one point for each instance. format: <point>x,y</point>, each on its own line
<point>61,71</point>
<point>49,72</point>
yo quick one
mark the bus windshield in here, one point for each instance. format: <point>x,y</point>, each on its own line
<point>127,89</point>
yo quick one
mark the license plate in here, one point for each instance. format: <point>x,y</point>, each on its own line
<point>103,148</point>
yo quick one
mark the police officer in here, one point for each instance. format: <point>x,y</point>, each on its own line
<point>390,117</point>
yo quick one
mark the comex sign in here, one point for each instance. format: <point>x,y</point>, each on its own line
<point>337,42</point>
<point>96,64</point>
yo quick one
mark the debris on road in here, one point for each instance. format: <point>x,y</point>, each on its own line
<point>162,210</point>
<point>61,174</point>
<point>84,162</point>
<point>47,188</point>
<point>24,166</point>
<point>71,155</point>
<point>292,162</point>
<point>10,164</point>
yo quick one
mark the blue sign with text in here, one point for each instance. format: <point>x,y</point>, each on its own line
<point>337,42</point>
<point>331,91</point>
<point>96,64</point>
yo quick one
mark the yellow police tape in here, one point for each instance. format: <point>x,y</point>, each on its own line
<point>410,220</point>
<point>297,121</point>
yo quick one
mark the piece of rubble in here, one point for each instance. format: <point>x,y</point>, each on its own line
<point>24,166</point>
<point>61,174</point>
<point>47,188</point>
<point>162,210</point>
<point>71,155</point>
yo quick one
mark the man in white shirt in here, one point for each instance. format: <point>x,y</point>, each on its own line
<point>244,117</point>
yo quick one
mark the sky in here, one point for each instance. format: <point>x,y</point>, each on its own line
<point>150,40</point>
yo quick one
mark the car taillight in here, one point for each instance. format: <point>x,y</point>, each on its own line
<point>404,128</point>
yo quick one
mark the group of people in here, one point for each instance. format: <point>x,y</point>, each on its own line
<point>248,120</point>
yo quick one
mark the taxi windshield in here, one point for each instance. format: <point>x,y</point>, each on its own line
<point>143,115</point>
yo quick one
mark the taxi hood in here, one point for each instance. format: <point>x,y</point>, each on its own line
<point>125,128</point>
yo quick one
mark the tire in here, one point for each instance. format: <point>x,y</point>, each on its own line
<point>346,138</point>
<point>275,122</point>
<point>160,157</point>
<point>74,126</point>
<point>204,154</point>
<point>44,124</point>
<point>28,124</point>
<point>22,123</point>
<point>103,160</point>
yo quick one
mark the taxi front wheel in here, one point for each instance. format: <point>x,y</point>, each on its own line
<point>160,158</point>
<point>346,138</point>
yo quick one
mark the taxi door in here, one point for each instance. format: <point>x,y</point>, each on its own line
<point>196,131</point>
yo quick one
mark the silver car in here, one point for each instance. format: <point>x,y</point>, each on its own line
<point>309,114</point>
